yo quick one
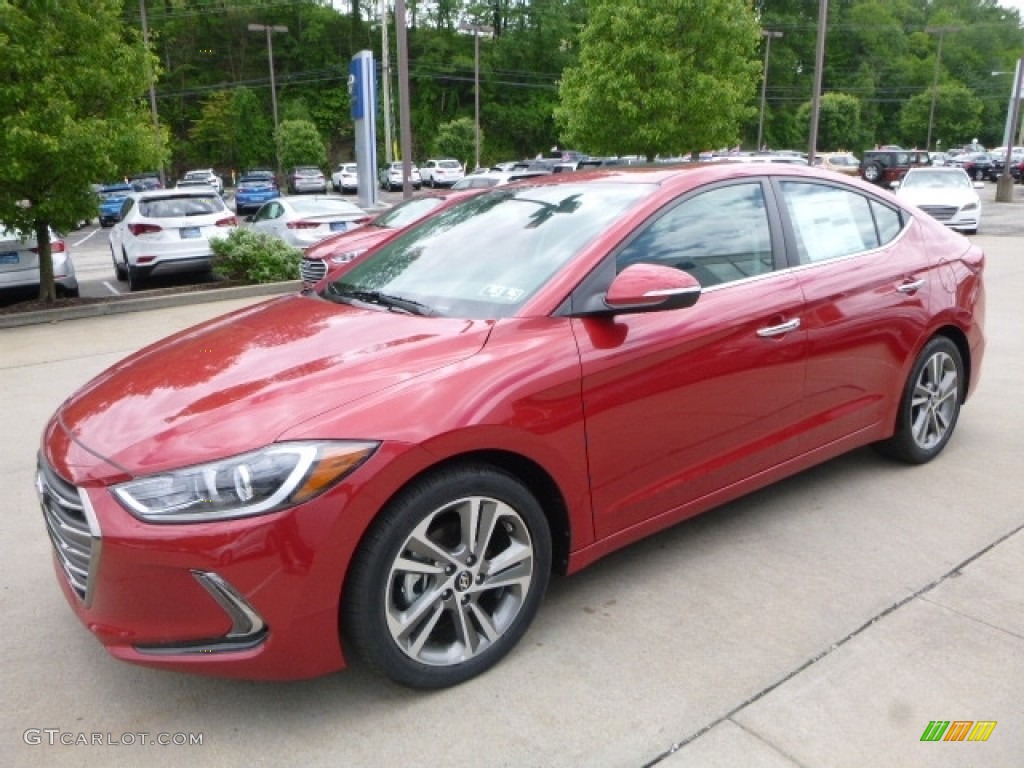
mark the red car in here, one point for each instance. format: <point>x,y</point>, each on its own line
<point>336,251</point>
<point>392,465</point>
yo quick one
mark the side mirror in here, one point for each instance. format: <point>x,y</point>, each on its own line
<point>251,218</point>
<point>651,288</point>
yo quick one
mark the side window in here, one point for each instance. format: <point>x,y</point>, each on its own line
<point>829,222</point>
<point>717,236</point>
<point>888,220</point>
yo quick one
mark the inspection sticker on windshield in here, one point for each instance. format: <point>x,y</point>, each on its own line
<point>503,293</point>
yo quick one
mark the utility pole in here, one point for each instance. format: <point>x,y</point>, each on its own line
<point>404,121</point>
<point>941,32</point>
<point>819,66</point>
<point>152,85</point>
<point>767,34</point>
<point>385,72</point>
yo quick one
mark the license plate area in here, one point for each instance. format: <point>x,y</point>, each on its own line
<point>339,226</point>
<point>189,233</point>
<point>10,257</point>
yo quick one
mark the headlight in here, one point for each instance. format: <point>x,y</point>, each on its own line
<point>255,483</point>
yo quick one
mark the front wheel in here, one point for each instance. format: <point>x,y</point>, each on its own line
<point>930,404</point>
<point>449,577</point>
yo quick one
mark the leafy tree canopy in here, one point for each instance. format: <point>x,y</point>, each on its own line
<point>73,112</point>
<point>661,76</point>
<point>300,144</point>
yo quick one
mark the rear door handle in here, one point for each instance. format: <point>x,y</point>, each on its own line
<point>910,287</point>
<point>779,330</point>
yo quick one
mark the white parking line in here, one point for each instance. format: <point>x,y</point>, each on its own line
<point>111,288</point>
<point>86,237</point>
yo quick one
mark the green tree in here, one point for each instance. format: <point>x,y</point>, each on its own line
<point>72,112</point>
<point>839,123</point>
<point>957,116</point>
<point>457,139</point>
<point>300,143</point>
<point>661,76</point>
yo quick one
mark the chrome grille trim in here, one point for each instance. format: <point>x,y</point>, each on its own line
<point>72,527</point>
<point>940,212</point>
<point>312,270</point>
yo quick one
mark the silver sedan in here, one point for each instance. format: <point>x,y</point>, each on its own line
<point>302,221</point>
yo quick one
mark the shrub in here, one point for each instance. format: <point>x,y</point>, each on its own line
<point>255,257</point>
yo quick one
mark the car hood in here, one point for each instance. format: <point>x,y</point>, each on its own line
<point>237,383</point>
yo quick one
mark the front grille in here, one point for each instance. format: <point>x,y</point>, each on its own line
<point>72,527</point>
<point>313,270</point>
<point>940,212</point>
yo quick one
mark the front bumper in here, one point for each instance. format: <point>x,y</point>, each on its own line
<point>252,598</point>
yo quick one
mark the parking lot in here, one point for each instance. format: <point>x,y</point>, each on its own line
<point>824,621</point>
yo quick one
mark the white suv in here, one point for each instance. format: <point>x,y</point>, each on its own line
<point>163,231</point>
<point>441,173</point>
<point>203,176</point>
<point>345,178</point>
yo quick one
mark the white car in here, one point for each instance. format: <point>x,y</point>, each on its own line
<point>304,221</point>
<point>945,193</point>
<point>345,178</point>
<point>441,173</point>
<point>487,179</point>
<point>19,262</point>
<point>204,176</point>
<point>391,176</point>
<point>165,231</point>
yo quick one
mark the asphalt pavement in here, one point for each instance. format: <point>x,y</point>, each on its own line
<point>826,621</point>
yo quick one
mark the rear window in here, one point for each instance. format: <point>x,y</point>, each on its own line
<point>177,207</point>
<point>449,164</point>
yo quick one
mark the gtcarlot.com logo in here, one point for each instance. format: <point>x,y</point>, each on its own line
<point>54,736</point>
<point>958,730</point>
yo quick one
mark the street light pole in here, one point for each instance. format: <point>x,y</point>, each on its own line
<point>152,86</point>
<point>268,28</point>
<point>768,35</point>
<point>476,29</point>
<point>941,32</point>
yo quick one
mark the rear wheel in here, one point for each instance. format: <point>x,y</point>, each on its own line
<point>873,172</point>
<point>134,278</point>
<point>930,404</point>
<point>119,270</point>
<point>449,577</point>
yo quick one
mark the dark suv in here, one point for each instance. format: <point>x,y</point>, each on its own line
<point>884,166</point>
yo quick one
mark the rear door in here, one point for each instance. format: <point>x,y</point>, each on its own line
<point>867,282</point>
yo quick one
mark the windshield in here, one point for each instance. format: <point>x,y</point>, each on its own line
<point>931,179</point>
<point>487,256</point>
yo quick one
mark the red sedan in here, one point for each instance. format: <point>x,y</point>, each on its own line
<point>393,464</point>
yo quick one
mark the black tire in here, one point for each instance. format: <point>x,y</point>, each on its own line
<point>447,619</point>
<point>119,271</point>
<point>134,279</point>
<point>873,172</point>
<point>929,405</point>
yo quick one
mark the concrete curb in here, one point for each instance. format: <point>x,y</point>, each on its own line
<point>141,303</point>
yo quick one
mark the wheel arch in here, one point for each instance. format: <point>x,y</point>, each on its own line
<point>536,479</point>
<point>959,339</point>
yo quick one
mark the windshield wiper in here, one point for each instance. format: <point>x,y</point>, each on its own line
<point>396,303</point>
